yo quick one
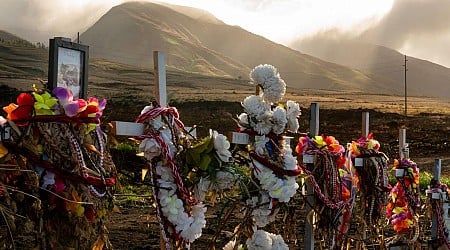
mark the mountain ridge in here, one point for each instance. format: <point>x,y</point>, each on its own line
<point>202,47</point>
<point>422,77</point>
<point>196,42</point>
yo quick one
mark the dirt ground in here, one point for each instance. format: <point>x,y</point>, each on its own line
<point>135,227</point>
<point>428,136</point>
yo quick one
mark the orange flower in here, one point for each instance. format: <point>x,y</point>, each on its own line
<point>345,193</point>
<point>9,109</point>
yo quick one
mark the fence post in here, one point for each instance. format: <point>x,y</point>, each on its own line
<point>313,130</point>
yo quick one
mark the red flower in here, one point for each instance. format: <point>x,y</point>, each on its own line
<point>23,109</point>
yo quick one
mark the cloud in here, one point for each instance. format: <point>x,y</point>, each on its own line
<point>409,19</point>
<point>38,20</point>
<point>417,28</point>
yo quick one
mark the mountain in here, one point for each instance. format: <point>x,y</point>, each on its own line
<point>6,36</point>
<point>195,41</point>
<point>423,78</point>
<point>21,59</point>
<point>22,64</point>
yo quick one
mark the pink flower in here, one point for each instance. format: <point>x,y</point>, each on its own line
<point>66,101</point>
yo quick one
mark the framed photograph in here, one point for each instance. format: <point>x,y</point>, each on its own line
<point>68,66</point>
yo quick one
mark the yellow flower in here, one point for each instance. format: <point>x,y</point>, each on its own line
<point>398,210</point>
<point>318,139</point>
<point>44,103</point>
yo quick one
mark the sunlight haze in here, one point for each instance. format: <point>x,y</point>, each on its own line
<point>414,27</point>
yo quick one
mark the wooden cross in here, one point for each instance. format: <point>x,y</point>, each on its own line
<point>313,131</point>
<point>402,145</point>
<point>137,129</point>
<point>437,179</point>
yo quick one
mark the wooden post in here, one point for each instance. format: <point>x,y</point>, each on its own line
<point>403,146</point>
<point>365,124</point>
<point>436,179</point>
<point>313,130</point>
<point>136,129</point>
<point>403,154</point>
<point>159,66</point>
<point>364,132</point>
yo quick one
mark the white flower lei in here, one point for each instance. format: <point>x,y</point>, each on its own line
<point>262,212</point>
<point>189,227</point>
<point>262,240</point>
<point>281,189</point>
<point>172,207</point>
<point>261,118</point>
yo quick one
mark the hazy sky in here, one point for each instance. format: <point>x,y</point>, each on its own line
<point>415,27</point>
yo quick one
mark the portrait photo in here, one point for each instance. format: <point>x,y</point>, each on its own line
<point>68,64</point>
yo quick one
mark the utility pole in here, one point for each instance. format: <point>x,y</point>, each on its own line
<point>406,90</point>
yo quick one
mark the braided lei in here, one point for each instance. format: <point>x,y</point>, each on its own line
<point>437,196</point>
<point>333,184</point>
<point>404,198</point>
<point>372,175</point>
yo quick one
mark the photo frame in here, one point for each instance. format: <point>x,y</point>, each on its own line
<point>68,66</point>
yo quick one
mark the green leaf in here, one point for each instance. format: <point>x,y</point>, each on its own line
<point>203,145</point>
<point>38,97</point>
<point>51,102</point>
<point>206,159</point>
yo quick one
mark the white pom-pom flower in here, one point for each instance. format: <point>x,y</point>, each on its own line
<point>255,105</point>
<point>262,73</point>
<point>274,92</point>
<point>279,120</point>
<point>292,113</point>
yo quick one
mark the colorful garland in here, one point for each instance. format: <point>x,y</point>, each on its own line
<point>372,174</point>
<point>65,149</point>
<point>332,179</point>
<point>437,196</point>
<point>404,199</point>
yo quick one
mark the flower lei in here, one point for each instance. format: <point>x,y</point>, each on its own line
<point>274,165</point>
<point>404,198</point>
<point>333,184</point>
<point>178,211</point>
<point>78,184</point>
<point>272,162</point>
<point>372,175</point>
